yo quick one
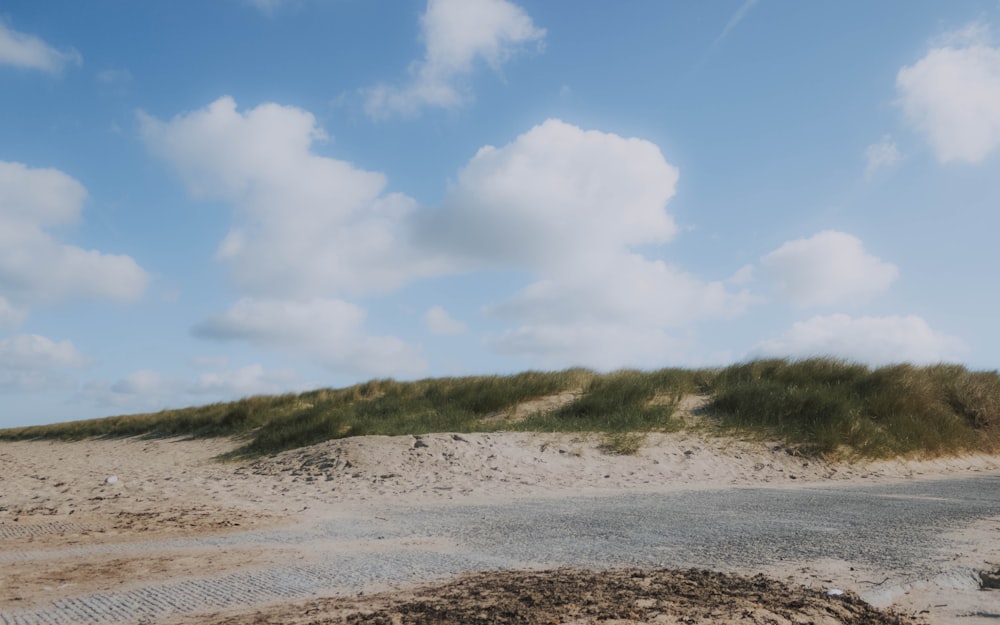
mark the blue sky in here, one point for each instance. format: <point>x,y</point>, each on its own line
<point>201,201</point>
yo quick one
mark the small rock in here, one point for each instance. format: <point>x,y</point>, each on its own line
<point>111,479</point>
<point>834,592</point>
<point>418,444</point>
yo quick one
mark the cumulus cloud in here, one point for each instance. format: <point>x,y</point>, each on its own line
<point>34,266</point>
<point>457,34</point>
<point>826,269</point>
<point>952,95</point>
<point>330,331</point>
<point>304,224</point>
<point>570,206</point>
<point>439,322</point>
<point>306,229</point>
<point>30,52</point>
<point>880,155</point>
<point>872,340</point>
<point>31,362</point>
<point>555,198</point>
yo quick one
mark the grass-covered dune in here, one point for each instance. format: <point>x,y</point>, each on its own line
<point>820,406</point>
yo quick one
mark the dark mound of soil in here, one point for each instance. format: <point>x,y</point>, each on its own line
<point>583,597</point>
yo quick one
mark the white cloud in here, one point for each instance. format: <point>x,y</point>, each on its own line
<point>145,382</point>
<point>118,78</point>
<point>457,34</point>
<point>30,52</point>
<point>604,347</point>
<point>11,316</point>
<point>568,205</point>
<point>880,155</point>
<point>973,33</point>
<point>225,382</point>
<point>872,340</point>
<point>630,290</point>
<point>306,229</point>
<point>245,381</point>
<point>210,362</point>
<point>439,322</point>
<point>616,318</point>
<point>571,206</point>
<point>146,389</point>
<point>743,275</point>
<point>558,198</point>
<point>29,351</point>
<point>304,224</point>
<point>952,95</point>
<point>38,197</point>
<point>828,268</point>
<point>329,331</point>
<point>31,362</point>
<point>34,267</point>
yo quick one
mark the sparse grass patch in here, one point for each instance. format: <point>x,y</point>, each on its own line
<point>622,443</point>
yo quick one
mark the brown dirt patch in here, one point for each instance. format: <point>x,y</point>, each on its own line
<point>583,597</point>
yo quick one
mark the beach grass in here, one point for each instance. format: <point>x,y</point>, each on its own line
<point>827,406</point>
<point>818,406</point>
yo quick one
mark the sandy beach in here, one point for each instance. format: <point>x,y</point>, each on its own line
<point>62,503</point>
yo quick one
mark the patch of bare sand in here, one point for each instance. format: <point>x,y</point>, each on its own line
<point>516,464</point>
<point>27,586</point>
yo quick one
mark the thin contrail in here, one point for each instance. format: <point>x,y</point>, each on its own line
<point>728,28</point>
<point>733,22</point>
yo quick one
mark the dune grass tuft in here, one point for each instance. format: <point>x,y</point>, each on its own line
<point>826,406</point>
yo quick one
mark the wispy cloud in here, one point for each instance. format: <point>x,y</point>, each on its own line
<point>30,52</point>
<point>881,154</point>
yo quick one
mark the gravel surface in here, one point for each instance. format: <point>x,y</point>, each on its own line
<point>895,528</point>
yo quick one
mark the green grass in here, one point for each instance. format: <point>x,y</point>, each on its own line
<point>821,406</point>
<point>828,406</point>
